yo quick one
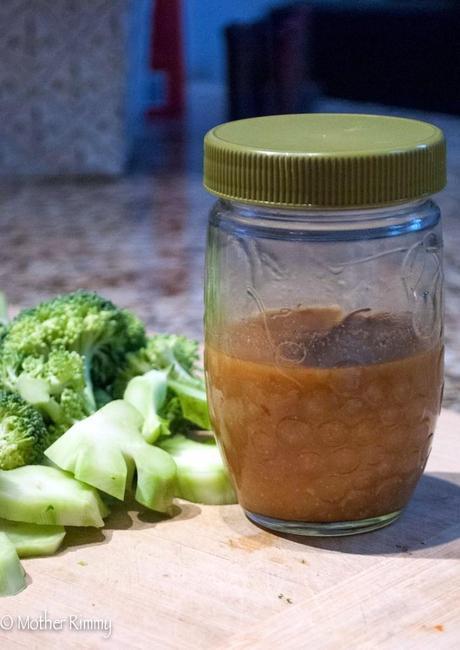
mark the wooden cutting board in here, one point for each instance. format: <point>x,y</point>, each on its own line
<point>210,579</point>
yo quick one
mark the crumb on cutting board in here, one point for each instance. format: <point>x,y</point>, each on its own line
<point>283,597</point>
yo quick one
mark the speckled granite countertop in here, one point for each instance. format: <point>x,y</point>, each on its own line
<point>140,240</point>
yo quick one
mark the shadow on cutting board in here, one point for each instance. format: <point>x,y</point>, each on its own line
<point>124,517</point>
<point>430,521</point>
<point>425,528</point>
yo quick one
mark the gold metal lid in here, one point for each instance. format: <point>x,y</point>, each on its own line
<point>324,160</point>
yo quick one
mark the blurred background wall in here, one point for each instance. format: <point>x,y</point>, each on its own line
<point>204,23</point>
<point>94,87</point>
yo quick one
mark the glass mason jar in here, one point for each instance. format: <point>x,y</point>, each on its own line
<point>324,315</point>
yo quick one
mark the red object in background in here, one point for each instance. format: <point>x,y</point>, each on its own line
<point>167,57</point>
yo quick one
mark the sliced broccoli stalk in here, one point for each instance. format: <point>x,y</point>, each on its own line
<point>22,432</point>
<point>12,575</point>
<point>106,450</point>
<point>171,413</point>
<point>192,398</point>
<point>147,394</point>
<point>201,474</point>
<point>37,494</point>
<point>31,540</point>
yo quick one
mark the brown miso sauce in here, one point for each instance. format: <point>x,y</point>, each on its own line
<point>323,416</point>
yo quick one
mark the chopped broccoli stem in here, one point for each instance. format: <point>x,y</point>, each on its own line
<point>106,450</point>
<point>193,402</point>
<point>172,414</point>
<point>31,540</point>
<point>36,392</point>
<point>201,473</point>
<point>12,575</point>
<point>88,390</point>
<point>38,494</point>
<point>147,394</point>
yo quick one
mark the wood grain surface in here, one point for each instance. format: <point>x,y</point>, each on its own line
<point>210,579</point>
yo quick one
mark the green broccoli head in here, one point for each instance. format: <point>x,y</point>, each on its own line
<point>184,407</point>
<point>23,435</point>
<point>55,385</point>
<point>163,351</point>
<point>82,322</point>
<point>170,349</point>
<point>59,353</point>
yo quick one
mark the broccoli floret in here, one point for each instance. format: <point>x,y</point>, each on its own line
<point>55,385</point>
<point>177,355</point>
<point>23,434</point>
<point>180,355</point>
<point>162,351</point>
<point>166,350</point>
<point>82,322</point>
<point>62,352</point>
<point>107,450</point>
